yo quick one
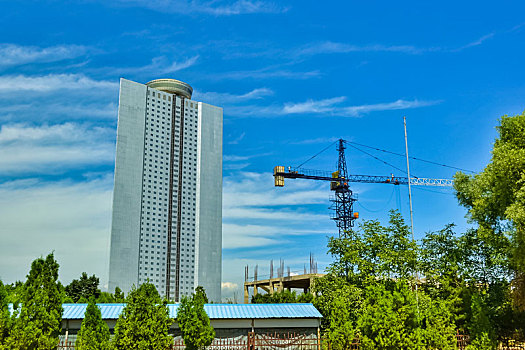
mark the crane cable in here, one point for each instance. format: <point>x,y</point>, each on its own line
<point>378,210</point>
<point>379,159</point>
<point>414,158</point>
<point>315,155</point>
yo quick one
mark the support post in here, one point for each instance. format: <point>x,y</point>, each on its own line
<point>246,295</point>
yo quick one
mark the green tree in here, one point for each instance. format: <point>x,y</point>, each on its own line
<point>390,318</point>
<point>37,322</point>
<point>374,252</point>
<point>5,317</point>
<point>83,289</point>
<point>340,304</point>
<point>481,330</point>
<point>193,321</point>
<point>94,332</point>
<point>328,292</point>
<point>119,295</point>
<point>200,293</point>
<point>144,322</point>
<point>105,298</point>
<point>14,291</point>
<point>496,196</point>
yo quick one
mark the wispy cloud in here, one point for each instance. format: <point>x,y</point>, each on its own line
<point>58,111</point>
<point>223,98</point>
<point>53,82</point>
<point>315,141</point>
<point>270,72</point>
<point>327,47</point>
<point>51,215</point>
<point>15,55</point>
<point>158,65</point>
<point>52,149</point>
<point>331,47</point>
<point>216,8</point>
<point>238,139</point>
<point>237,158</point>
<point>474,43</point>
<point>311,106</point>
<point>388,106</point>
<point>325,107</point>
<point>258,214</point>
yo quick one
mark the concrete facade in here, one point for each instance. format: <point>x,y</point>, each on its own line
<point>167,202</point>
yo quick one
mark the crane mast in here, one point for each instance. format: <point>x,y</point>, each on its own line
<point>343,201</point>
<point>344,198</point>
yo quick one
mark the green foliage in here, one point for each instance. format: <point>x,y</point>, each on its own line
<point>119,295</point>
<point>200,294</point>
<point>14,292</point>
<point>194,322</point>
<point>83,289</point>
<point>389,319</point>
<point>481,330</point>
<point>5,318</point>
<point>94,332</point>
<point>370,289</point>
<point>375,251</point>
<point>144,322</point>
<point>340,304</point>
<point>37,322</point>
<point>497,194</point>
<point>328,291</point>
<point>106,298</point>
<point>282,297</point>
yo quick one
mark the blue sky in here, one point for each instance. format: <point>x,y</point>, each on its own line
<point>292,77</point>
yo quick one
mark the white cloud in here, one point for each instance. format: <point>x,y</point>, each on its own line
<point>330,106</point>
<point>265,73</point>
<point>229,286</point>
<point>223,98</point>
<point>53,82</point>
<point>238,139</point>
<point>388,106</point>
<point>477,42</point>
<point>14,55</point>
<point>328,47</point>
<point>236,158</point>
<point>216,8</point>
<point>53,149</point>
<point>158,65</point>
<point>71,219</point>
<point>71,111</point>
<point>311,106</point>
<point>257,214</point>
<point>316,140</point>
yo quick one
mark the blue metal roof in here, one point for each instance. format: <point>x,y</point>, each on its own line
<point>214,311</point>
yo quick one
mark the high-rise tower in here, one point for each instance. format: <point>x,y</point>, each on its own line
<point>167,200</point>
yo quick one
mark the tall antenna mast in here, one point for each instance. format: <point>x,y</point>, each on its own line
<point>409,181</point>
<point>411,213</point>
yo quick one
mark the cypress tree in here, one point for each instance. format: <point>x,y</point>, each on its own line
<point>38,320</point>
<point>194,322</point>
<point>144,322</point>
<point>94,332</point>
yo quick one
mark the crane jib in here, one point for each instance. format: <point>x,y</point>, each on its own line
<point>280,175</point>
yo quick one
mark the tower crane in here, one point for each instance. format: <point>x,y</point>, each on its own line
<point>339,183</point>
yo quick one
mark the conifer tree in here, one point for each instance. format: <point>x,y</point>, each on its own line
<point>94,332</point>
<point>119,295</point>
<point>144,322</point>
<point>37,322</point>
<point>5,319</point>
<point>194,322</point>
